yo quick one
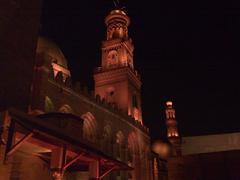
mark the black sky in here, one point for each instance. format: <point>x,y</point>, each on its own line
<point>186,51</point>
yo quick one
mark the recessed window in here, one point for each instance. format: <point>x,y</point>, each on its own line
<point>111,93</point>
<point>134,101</point>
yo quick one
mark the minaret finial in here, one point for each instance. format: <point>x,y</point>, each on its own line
<point>116,3</point>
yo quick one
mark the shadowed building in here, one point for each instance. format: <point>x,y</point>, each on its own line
<point>199,157</point>
<point>207,157</point>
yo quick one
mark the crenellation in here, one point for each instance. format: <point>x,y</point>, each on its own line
<point>59,78</point>
<point>112,107</point>
<point>68,82</point>
<point>77,87</point>
<point>98,99</point>
<point>85,91</point>
<point>51,73</point>
<point>103,101</point>
<point>115,109</point>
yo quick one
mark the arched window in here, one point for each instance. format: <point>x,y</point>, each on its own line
<point>115,34</point>
<point>119,137</point>
<point>65,109</point>
<point>110,94</point>
<point>48,106</point>
<point>89,127</point>
<point>106,140</point>
<point>119,150</point>
<point>133,154</point>
<point>134,101</point>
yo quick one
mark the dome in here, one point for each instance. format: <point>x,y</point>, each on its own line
<point>117,11</point>
<point>47,47</point>
<point>117,16</point>
<point>162,149</point>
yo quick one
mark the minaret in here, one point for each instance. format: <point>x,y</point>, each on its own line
<point>172,129</point>
<point>116,80</point>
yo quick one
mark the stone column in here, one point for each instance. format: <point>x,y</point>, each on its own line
<point>58,160</point>
<point>136,165</point>
<point>94,170</point>
<point>5,165</point>
<point>57,175</point>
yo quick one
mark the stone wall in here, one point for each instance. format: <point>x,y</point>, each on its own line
<point>105,126</point>
<point>206,166</point>
<point>210,143</point>
<point>19,22</point>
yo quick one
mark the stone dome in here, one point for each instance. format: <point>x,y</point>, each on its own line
<point>50,49</point>
<point>117,11</point>
<point>117,16</point>
<point>163,149</point>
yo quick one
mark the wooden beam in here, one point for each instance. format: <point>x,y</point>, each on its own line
<point>19,143</point>
<point>107,172</point>
<point>72,161</point>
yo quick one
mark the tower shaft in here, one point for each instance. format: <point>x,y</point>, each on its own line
<point>172,129</point>
<point>116,80</point>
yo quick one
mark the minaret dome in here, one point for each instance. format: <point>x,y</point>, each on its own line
<point>117,23</point>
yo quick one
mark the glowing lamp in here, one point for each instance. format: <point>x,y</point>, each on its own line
<point>169,103</point>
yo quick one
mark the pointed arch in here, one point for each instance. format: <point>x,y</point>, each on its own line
<point>119,137</point>
<point>66,109</point>
<point>107,139</point>
<point>133,154</point>
<point>48,105</point>
<point>107,132</point>
<point>133,143</point>
<point>89,127</point>
<point>119,147</point>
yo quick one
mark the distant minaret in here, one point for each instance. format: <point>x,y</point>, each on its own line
<point>172,129</point>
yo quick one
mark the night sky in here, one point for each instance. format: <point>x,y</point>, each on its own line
<point>186,51</point>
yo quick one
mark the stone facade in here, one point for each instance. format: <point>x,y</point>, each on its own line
<point>111,129</point>
<point>105,126</point>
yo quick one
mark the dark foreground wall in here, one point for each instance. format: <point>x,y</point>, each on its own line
<point>19,21</point>
<point>207,166</point>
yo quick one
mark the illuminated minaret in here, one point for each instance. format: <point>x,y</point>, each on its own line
<point>172,129</point>
<point>116,80</point>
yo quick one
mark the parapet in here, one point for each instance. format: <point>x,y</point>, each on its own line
<point>84,91</point>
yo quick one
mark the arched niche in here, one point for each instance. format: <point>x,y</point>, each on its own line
<point>133,145</point>
<point>48,105</point>
<point>89,127</point>
<point>107,132</point>
<point>110,94</point>
<point>133,155</point>
<point>107,139</point>
<point>66,109</point>
<point>119,147</point>
<point>119,138</point>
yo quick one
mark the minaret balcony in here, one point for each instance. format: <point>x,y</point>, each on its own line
<point>116,67</point>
